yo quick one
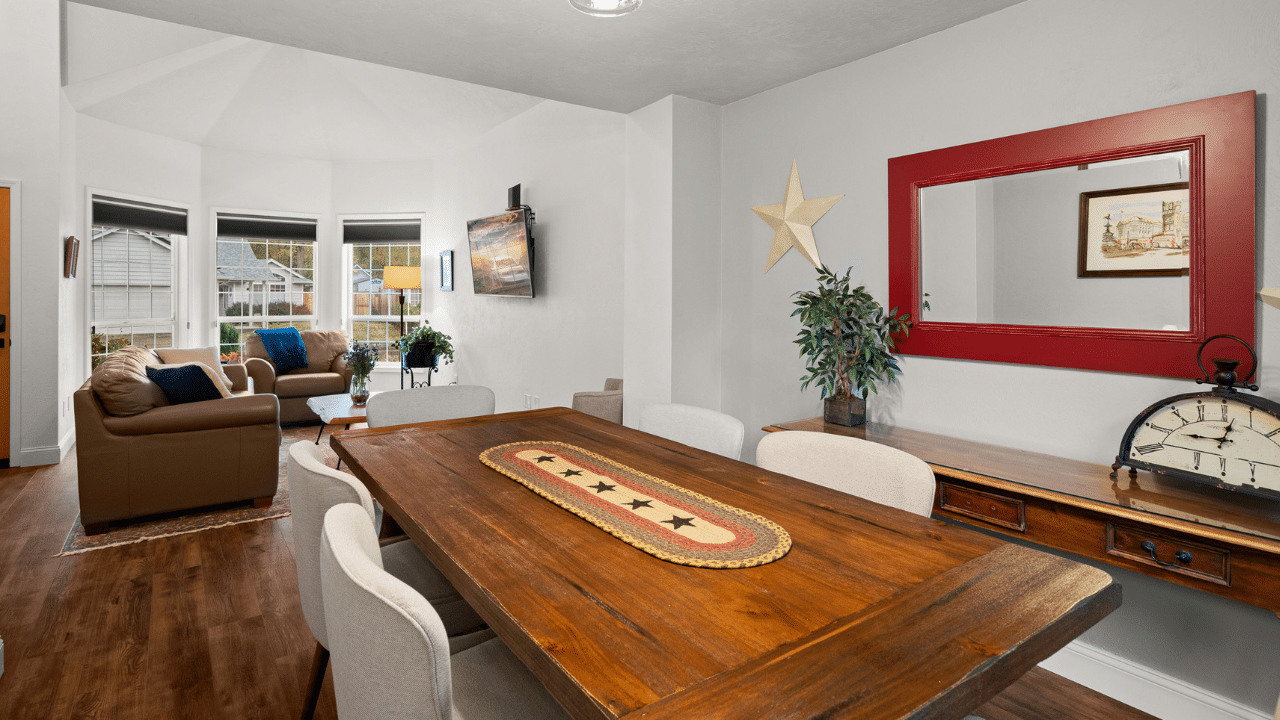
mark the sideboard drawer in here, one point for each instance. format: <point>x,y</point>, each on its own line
<point>1171,553</point>
<point>996,509</point>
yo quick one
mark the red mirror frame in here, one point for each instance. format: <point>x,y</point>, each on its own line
<point>1218,132</point>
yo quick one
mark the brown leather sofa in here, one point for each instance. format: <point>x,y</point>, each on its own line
<point>138,455</point>
<point>326,372</point>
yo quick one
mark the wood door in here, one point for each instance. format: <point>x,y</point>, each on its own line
<point>5,320</point>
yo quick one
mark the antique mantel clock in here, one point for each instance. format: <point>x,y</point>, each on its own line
<point>1222,437</point>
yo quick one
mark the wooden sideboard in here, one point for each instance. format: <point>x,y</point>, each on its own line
<point>1201,537</point>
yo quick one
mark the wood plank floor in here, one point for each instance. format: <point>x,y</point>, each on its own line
<point>209,625</point>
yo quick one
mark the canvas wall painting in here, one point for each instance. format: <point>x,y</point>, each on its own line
<point>1136,231</point>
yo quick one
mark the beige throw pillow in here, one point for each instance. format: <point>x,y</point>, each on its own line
<point>207,355</point>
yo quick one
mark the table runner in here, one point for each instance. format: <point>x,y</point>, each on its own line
<point>651,514</point>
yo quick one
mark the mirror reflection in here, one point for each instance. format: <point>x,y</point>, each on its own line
<point>1103,245</point>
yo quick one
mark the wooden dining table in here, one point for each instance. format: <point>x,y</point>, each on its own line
<point>874,613</point>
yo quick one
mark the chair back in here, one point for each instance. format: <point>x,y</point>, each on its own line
<point>314,488</point>
<point>605,404</point>
<point>696,427</point>
<point>390,653</point>
<point>424,404</point>
<point>867,469</point>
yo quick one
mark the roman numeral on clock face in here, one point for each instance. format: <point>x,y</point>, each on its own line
<point>1145,449</point>
<point>1197,459</point>
<point>1222,464</point>
<point>1157,428</point>
<point>1273,433</point>
<point>1184,420</point>
<point>1200,411</point>
<point>1224,412</point>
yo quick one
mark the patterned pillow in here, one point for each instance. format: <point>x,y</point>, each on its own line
<point>285,347</point>
<point>187,383</point>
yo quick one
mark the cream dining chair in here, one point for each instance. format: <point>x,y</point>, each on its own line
<point>869,470</point>
<point>390,651</point>
<point>696,427</point>
<point>424,404</point>
<point>314,488</point>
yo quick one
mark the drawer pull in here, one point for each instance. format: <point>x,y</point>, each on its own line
<point>1181,556</point>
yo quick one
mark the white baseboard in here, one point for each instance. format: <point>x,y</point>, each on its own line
<point>1141,687</point>
<point>46,455</point>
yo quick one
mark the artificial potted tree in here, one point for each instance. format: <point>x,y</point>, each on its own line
<point>847,339</point>
<point>424,345</point>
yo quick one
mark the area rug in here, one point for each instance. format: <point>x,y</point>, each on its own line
<point>663,519</point>
<point>175,524</point>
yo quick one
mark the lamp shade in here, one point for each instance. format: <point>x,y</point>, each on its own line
<point>401,277</point>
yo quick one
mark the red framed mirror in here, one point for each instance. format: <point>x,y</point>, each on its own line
<point>1014,288</point>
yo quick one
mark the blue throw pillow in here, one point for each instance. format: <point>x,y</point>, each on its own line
<point>285,347</point>
<point>184,383</point>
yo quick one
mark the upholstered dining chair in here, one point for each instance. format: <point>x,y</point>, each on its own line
<point>314,488</point>
<point>605,404</point>
<point>424,404</point>
<point>869,470</point>
<point>696,427</point>
<point>390,651</point>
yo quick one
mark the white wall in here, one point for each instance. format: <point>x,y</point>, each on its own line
<point>569,161</point>
<point>30,155</point>
<point>1035,65</point>
<point>647,312</point>
<point>695,247</point>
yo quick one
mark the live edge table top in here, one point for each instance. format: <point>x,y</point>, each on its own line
<point>874,613</point>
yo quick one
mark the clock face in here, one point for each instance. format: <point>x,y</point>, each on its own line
<point>1211,438</point>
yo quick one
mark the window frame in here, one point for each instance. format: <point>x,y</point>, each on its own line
<point>216,318</point>
<point>348,294</point>
<point>180,280</point>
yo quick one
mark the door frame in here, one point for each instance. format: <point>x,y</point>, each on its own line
<point>15,328</point>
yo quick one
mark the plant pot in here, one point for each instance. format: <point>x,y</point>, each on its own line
<point>421,356</point>
<point>359,390</point>
<point>848,412</point>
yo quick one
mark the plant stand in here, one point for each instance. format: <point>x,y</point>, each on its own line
<point>417,360</point>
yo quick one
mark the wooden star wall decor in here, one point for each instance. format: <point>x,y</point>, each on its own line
<point>792,221</point>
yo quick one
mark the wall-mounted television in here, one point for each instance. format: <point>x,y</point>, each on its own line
<point>502,254</point>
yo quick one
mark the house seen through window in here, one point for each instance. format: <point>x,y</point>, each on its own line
<point>132,275</point>
<point>265,277</point>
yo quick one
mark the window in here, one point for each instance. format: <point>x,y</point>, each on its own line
<point>374,311</point>
<point>132,275</point>
<point>265,276</point>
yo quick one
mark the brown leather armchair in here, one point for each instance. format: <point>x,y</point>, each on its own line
<point>326,372</point>
<point>137,455</point>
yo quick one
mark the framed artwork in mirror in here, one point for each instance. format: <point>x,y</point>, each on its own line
<point>1135,232</point>
<point>993,230</point>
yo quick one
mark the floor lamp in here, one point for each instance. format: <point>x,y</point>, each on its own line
<point>401,277</point>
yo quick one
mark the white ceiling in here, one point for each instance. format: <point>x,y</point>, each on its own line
<point>718,51</point>
<point>221,91</point>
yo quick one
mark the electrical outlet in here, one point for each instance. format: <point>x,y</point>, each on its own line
<point>528,401</point>
<point>537,403</point>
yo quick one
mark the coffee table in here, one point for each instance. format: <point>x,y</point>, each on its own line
<point>335,409</point>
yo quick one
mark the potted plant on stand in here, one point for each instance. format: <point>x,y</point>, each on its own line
<point>424,345</point>
<point>361,358</point>
<point>846,338</point>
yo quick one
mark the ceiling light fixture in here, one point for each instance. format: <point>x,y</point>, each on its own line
<point>606,8</point>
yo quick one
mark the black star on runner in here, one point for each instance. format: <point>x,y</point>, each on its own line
<point>601,487</point>
<point>546,458</point>
<point>678,522</point>
<point>637,504</point>
<point>571,473</point>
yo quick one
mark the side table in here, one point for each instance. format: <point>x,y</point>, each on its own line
<point>334,409</point>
